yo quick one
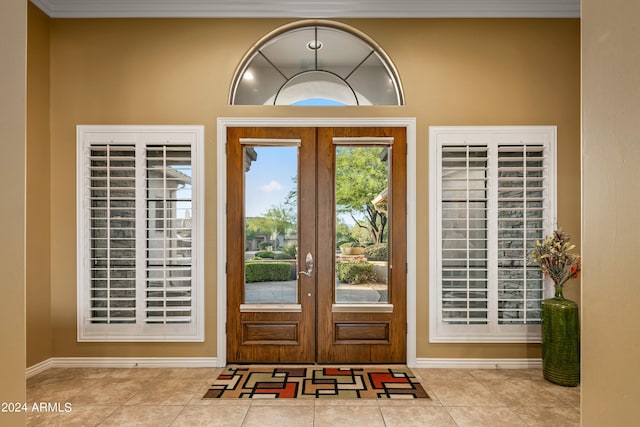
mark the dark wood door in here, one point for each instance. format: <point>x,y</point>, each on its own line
<point>355,329</point>
<point>337,307</point>
<point>269,318</point>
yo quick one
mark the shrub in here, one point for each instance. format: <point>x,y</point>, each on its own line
<point>291,249</point>
<point>350,245</point>
<point>377,252</point>
<point>267,271</point>
<point>356,272</point>
<point>265,254</point>
<point>265,245</point>
<point>282,255</point>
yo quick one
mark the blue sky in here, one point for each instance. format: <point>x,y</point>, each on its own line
<point>269,180</point>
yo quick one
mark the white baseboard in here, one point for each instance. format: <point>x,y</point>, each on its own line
<point>479,363</point>
<point>122,362</point>
<point>39,367</point>
<point>212,362</point>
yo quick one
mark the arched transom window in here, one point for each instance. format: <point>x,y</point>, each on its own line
<point>316,62</point>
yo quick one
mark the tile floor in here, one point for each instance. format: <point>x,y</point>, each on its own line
<point>172,397</point>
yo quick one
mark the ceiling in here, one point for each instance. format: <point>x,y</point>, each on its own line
<point>311,8</point>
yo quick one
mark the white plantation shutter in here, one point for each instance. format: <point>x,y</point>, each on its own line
<point>168,255</point>
<point>464,235</point>
<point>139,255</point>
<point>492,197</point>
<point>521,215</point>
<point>112,212</point>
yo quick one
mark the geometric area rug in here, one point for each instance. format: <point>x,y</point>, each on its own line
<point>317,382</point>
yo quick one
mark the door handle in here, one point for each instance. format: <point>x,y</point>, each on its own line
<point>308,265</point>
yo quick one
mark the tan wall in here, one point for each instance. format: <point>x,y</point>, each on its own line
<point>39,337</point>
<point>13,49</point>
<point>611,203</point>
<point>455,72</point>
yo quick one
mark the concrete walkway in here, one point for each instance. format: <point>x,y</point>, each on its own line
<point>286,293</point>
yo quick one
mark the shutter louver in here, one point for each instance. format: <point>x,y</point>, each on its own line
<point>168,283</point>
<point>464,235</point>
<point>521,195</point>
<point>112,234</point>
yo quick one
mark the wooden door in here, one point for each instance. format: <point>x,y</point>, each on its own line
<point>354,329</point>
<point>333,316</point>
<point>280,326</point>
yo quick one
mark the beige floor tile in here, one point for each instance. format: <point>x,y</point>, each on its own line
<point>408,416</point>
<point>155,396</point>
<point>42,377</point>
<point>484,416</point>
<point>108,392</point>
<point>433,401</point>
<point>214,416</point>
<point>152,416</point>
<point>506,374</point>
<point>282,402</point>
<point>351,416</point>
<point>346,402</point>
<point>279,416</point>
<point>58,390</point>
<point>442,374</point>
<point>191,373</point>
<point>463,393</point>
<point>519,393</point>
<point>57,374</point>
<point>197,399</point>
<point>563,395</point>
<point>77,416</point>
<point>551,417</point>
<point>85,372</point>
<point>173,391</point>
<point>137,373</point>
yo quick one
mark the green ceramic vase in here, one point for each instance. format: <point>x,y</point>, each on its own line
<point>560,340</point>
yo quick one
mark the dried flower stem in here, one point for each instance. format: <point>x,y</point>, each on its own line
<point>554,259</point>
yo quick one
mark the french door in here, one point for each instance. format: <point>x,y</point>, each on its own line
<point>302,204</point>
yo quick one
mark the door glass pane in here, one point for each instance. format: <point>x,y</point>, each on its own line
<point>362,208</point>
<point>270,224</point>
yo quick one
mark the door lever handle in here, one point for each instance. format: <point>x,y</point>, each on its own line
<point>308,265</point>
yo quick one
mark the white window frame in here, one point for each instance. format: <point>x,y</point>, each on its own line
<point>140,136</point>
<point>493,332</point>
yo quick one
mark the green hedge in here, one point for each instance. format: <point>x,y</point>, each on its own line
<point>357,272</point>
<point>265,254</point>
<point>267,271</point>
<point>378,252</point>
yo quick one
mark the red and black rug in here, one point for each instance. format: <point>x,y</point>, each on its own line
<point>255,382</point>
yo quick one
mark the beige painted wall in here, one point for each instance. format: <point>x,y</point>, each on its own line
<point>13,49</point>
<point>611,203</point>
<point>455,72</point>
<point>39,337</point>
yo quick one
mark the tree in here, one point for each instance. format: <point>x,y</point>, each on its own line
<point>361,175</point>
<point>277,220</point>
<point>280,218</point>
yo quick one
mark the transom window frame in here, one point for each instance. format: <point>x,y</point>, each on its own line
<point>140,137</point>
<point>314,45</point>
<point>491,136</point>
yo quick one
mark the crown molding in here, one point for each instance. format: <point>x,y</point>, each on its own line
<point>305,9</point>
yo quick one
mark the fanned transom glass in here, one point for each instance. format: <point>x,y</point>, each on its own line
<point>326,64</point>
